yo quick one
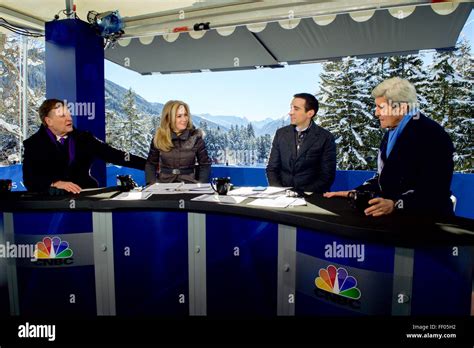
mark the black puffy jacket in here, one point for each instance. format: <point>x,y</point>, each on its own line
<point>188,156</point>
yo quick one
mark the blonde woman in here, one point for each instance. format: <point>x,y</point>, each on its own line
<point>177,152</point>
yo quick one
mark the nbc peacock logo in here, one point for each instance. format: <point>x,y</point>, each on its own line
<point>337,281</point>
<point>53,248</point>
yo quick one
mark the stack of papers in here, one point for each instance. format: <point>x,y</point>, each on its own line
<point>275,202</point>
<point>132,196</point>
<point>272,197</point>
<point>280,202</point>
<point>258,192</point>
<point>178,187</point>
<point>220,199</point>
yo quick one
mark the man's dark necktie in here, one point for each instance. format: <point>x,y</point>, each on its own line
<point>63,148</point>
<point>299,140</point>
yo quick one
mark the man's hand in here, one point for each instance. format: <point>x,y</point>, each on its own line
<point>336,194</point>
<point>379,207</point>
<point>67,186</point>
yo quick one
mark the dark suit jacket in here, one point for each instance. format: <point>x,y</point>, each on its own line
<point>311,170</point>
<point>44,162</point>
<point>419,169</point>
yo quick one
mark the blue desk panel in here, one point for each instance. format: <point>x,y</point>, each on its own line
<point>151,269</point>
<point>371,272</point>
<point>55,286</point>
<point>151,263</point>
<point>442,281</point>
<point>241,281</point>
<point>57,292</point>
<point>50,223</point>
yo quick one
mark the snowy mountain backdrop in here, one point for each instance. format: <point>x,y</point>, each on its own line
<point>115,95</point>
<point>444,82</point>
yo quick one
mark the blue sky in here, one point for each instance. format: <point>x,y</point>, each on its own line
<point>254,94</point>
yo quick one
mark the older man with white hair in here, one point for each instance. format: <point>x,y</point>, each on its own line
<point>415,162</point>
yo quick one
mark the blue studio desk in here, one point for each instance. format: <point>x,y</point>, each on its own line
<point>169,256</point>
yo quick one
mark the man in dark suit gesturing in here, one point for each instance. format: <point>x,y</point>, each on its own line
<point>415,162</point>
<point>303,155</point>
<point>60,156</point>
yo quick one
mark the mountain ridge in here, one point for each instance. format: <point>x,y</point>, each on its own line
<point>115,93</point>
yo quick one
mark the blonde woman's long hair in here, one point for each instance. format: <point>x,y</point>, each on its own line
<point>162,139</point>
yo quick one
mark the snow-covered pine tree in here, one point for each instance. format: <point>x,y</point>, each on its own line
<point>113,128</point>
<point>210,140</point>
<point>443,88</point>
<point>204,127</point>
<point>375,70</point>
<point>344,113</point>
<point>410,67</point>
<point>264,144</point>
<point>249,145</point>
<point>136,127</point>
<point>243,137</point>
<point>11,130</point>
<point>250,131</point>
<point>155,123</point>
<point>463,128</point>
<point>447,96</point>
<point>223,144</point>
<point>233,138</point>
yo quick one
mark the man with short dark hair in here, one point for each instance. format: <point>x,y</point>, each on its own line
<point>303,154</point>
<point>60,156</point>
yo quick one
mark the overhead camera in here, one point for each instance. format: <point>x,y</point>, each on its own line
<point>109,25</point>
<point>202,26</point>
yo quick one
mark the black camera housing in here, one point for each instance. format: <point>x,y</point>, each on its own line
<point>5,186</point>
<point>126,183</point>
<point>360,199</point>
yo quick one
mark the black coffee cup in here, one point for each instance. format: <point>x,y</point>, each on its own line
<point>126,183</point>
<point>360,199</point>
<point>221,185</point>
<point>5,185</point>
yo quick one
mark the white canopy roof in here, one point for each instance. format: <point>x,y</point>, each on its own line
<point>159,35</point>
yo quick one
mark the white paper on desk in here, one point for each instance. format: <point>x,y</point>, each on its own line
<point>179,187</point>
<point>272,190</point>
<point>132,196</point>
<point>241,191</point>
<point>249,191</point>
<point>220,199</point>
<point>298,202</point>
<point>195,188</point>
<point>163,187</point>
<point>280,202</point>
